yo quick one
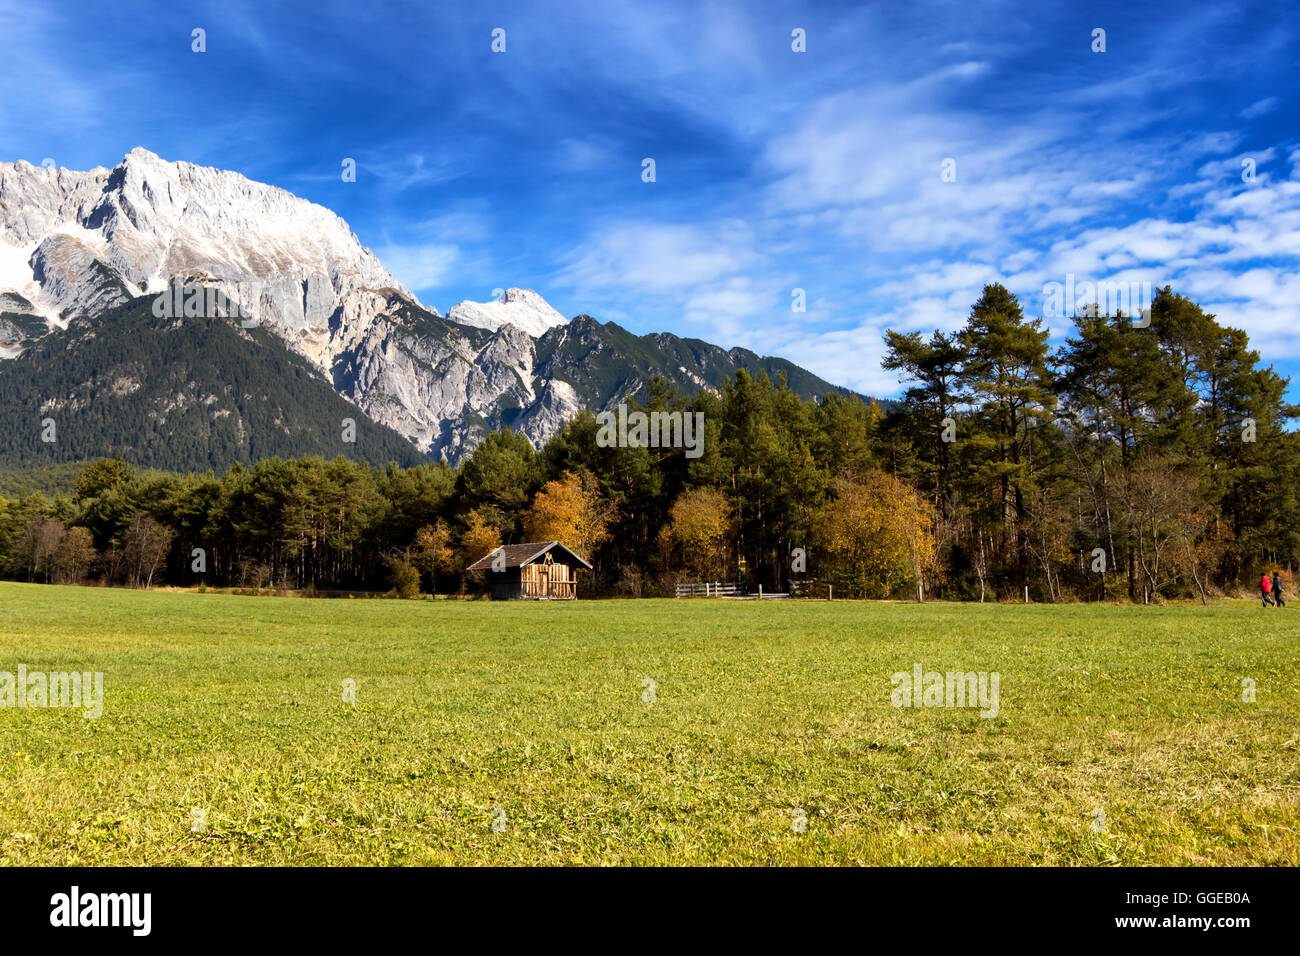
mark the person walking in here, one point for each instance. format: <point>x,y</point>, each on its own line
<point>1265,588</point>
<point>1277,590</point>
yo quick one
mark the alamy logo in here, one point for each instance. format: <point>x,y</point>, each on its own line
<point>1096,299</point>
<point>103,909</point>
<point>656,430</point>
<point>53,689</point>
<point>197,301</point>
<point>923,688</point>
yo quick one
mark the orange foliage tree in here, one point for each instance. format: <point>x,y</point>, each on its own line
<point>699,532</point>
<point>572,511</point>
<point>480,537</point>
<point>433,553</point>
<point>876,535</point>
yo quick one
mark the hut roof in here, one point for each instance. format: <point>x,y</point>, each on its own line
<point>520,555</point>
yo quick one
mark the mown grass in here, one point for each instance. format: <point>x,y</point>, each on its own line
<point>234,704</point>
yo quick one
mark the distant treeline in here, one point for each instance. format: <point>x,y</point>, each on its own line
<point>56,478</point>
<point>1131,461</point>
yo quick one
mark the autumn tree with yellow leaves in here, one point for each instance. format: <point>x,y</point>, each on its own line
<point>571,510</point>
<point>432,553</point>
<point>699,533</point>
<point>480,537</point>
<point>876,535</point>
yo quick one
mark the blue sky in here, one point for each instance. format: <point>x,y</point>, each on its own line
<point>775,170</point>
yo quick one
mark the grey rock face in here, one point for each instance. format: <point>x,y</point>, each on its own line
<point>70,275</point>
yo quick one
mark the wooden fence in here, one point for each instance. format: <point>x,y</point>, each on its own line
<point>710,589</point>
<point>811,587</point>
<point>799,588</point>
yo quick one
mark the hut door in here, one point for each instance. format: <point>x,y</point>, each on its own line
<point>546,576</point>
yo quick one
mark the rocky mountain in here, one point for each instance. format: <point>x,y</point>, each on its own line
<point>83,251</point>
<point>147,220</point>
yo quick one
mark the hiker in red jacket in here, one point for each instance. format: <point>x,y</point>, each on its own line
<point>1265,587</point>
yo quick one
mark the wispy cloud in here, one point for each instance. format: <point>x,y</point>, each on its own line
<point>1258,108</point>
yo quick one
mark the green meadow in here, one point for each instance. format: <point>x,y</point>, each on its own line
<point>1121,735</point>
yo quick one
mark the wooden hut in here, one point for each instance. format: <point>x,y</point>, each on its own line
<point>537,571</point>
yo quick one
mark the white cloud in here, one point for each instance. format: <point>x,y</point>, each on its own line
<point>579,155</point>
<point>419,267</point>
<point>1260,107</point>
<point>656,258</point>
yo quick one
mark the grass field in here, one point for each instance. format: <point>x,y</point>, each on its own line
<point>235,705</point>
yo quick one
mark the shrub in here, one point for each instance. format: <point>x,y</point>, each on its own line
<point>405,579</point>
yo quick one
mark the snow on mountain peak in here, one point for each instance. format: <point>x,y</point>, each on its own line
<point>148,219</point>
<point>522,308</point>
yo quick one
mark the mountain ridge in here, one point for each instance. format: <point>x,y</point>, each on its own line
<point>81,246</point>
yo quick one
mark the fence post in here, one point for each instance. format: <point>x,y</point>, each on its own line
<point>1026,593</point>
<point>760,592</point>
<point>830,592</point>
